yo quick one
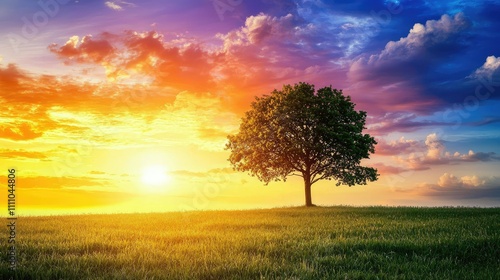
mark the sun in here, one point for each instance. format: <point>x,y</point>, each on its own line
<point>155,178</point>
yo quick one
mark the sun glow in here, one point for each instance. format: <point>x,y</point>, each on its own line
<point>155,178</point>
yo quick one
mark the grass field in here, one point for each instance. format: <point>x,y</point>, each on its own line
<point>288,243</point>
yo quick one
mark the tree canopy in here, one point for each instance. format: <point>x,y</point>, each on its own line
<point>299,131</point>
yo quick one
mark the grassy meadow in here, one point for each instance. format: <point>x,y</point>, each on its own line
<point>284,243</point>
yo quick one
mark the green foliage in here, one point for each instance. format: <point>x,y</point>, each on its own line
<point>297,131</point>
<point>289,243</point>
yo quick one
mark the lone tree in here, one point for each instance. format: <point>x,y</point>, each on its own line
<point>300,132</point>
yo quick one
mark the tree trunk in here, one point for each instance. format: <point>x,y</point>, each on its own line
<point>307,185</point>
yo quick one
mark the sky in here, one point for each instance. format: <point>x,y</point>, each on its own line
<point>125,106</point>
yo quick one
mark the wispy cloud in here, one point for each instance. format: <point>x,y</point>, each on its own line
<point>47,182</point>
<point>398,147</point>
<point>118,5</point>
<point>22,154</point>
<point>385,169</point>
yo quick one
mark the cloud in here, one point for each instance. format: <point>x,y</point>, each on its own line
<point>113,6</point>
<point>251,60</point>
<point>117,5</point>
<point>397,147</point>
<point>434,153</point>
<point>399,121</point>
<point>176,63</point>
<point>48,182</point>
<point>413,155</point>
<point>465,187</point>
<point>410,122</point>
<point>269,51</point>
<point>485,121</point>
<point>489,70</point>
<point>492,64</point>
<point>11,76</point>
<point>19,131</point>
<point>311,41</point>
<point>22,154</point>
<point>204,120</point>
<point>266,52</point>
<point>421,40</point>
<point>52,106</point>
<point>384,169</point>
<point>212,133</point>
<point>205,174</point>
<point>450,181</point>
<point>258,29</point>
<point>220,177</point>
<point>398,74</point>
<point>87,50</point>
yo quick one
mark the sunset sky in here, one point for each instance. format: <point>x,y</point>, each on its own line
<point>124,106</point>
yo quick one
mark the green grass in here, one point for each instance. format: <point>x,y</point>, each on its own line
<point>288,243</point>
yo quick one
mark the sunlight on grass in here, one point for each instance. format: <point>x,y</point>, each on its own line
<point>297,243</point>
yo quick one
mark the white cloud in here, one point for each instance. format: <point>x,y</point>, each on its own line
<point>118,5</point>
<point>397,147</point>
<point>451,181</point>
<point>473,181</point>
<point>465,187</point>
<point>257,29</point>
<point>435,149</point>
<point>433,32</point>
<point>113,6</point>
<point>434,153</point>
<point>491,65</point>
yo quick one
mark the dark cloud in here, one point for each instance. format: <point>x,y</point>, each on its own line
<point>479,156</point>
